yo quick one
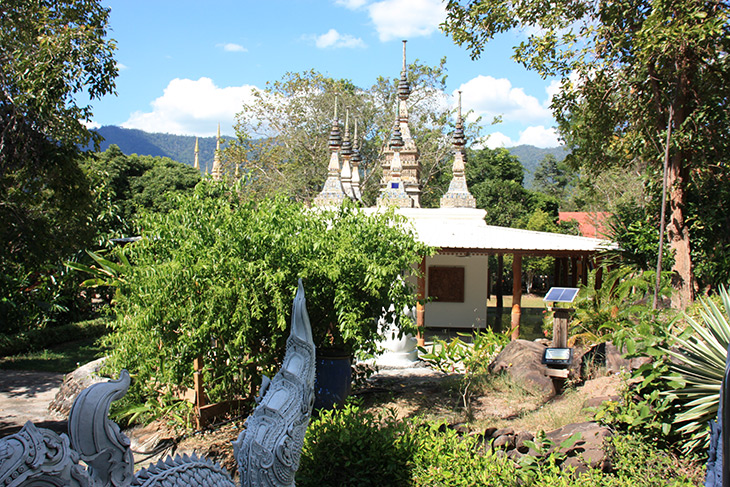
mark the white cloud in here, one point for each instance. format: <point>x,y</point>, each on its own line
<point>351,4</point>
<point>192,107</point>
<point>231,47</point>
<point>121,67</point>
<point>539,136</point>
<point>335,40</point>
<point>491,97</point>
<point>404,19</point>
<point>552,89</point>
<point>90,124</point>
<point>495,140</point>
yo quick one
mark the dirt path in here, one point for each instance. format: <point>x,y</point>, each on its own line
<point>25,396</point>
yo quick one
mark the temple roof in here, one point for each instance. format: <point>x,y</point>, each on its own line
<point>464,230</point>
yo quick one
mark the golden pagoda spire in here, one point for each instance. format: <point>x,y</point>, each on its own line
<point>196,164</point>
<point>217,171</point>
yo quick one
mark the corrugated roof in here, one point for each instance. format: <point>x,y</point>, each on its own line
<point>465,229</point>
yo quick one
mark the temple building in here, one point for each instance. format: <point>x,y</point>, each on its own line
<point>453,285</point>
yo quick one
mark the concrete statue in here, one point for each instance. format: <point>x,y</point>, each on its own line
<point>96,453</point>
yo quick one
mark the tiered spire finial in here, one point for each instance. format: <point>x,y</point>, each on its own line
<point>458,195</point>
<point>196,164</point>
<point>355,160</point>
<point>333,193</point>
<point>404,88</point>
<point>346,151</point>
<point>217,171</point>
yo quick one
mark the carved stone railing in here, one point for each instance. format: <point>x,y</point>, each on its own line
<point>267,450</point>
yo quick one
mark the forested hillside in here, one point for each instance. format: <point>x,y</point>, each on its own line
<point>530,156</point>
<point>180,148</point>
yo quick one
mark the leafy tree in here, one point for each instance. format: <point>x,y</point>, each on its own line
<point>133,182</point>
<point>282,135</point>
<point>553,178</point>
<point>631,69</point>
<point>51,53</point>
<point>495,179</point>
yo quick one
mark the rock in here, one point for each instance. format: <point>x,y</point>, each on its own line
<point>596,402</point>
<point>503,431</point>
<point>75,382</point>
<point>504,442</point>
<point>522,360</point>
<point>461,428</point>
<point>489,432</point>
<point>514,455</point>
<point>589,451</point>
<point>520,440</point>
<point>606,359</point>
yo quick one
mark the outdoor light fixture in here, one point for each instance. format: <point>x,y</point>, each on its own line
<point>557,356</point>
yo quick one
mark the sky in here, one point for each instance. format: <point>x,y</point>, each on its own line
<point>185,66</point>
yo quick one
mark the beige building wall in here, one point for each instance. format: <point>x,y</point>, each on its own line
<point>471,312</point>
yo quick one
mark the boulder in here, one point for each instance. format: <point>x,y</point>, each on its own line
<point>75,382</point>
<point>522,361</point>
<point>589,451</point>
<point>606,359</point>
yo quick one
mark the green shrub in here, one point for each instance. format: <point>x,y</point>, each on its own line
<point>215,277</point>
<point>349,447</point>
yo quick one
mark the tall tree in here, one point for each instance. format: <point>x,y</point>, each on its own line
<point>553,178</point>
<point>630,68</point>
<point>52,53</point>
<point>282,133</point>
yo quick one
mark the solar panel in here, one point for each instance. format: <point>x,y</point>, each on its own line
<point>561,294</point>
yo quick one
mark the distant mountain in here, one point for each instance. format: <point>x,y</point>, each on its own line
<point>180,148</point>
<point>531,156</point>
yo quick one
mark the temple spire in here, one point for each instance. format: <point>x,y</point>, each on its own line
<point>355,162</point>
<point>217,171</point>
<point>196,164</point>
<point>394,193</point>
<point>332,193</point>
<point>458,195</point>
<point>346,152</point>
<point>410,171</point>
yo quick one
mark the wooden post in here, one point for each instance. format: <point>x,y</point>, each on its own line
<point>584,270</point>
<point>199,392</point>
<point>560,327</point>
<point>500,279</point>
<point>420,306</point>
<point>516,295</point>
<point>573,271</point>
<point>564,271</point>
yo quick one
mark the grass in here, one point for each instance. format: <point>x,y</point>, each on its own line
<point>63,358</point>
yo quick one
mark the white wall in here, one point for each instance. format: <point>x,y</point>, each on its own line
<point>473,311</point>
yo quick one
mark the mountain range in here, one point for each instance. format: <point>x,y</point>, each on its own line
<point>182,148</point>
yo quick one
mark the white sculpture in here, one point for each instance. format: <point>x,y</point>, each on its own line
<point>267,450</point>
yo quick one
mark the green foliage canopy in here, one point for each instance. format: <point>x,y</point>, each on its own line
<point>215,277</point>
<point>631,69</point>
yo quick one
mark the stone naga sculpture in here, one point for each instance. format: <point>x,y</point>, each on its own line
<point>267,450</point>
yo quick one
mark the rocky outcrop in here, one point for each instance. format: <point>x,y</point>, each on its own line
<point>75,382</point>
<point>522,361</point>
<point>590,450</point>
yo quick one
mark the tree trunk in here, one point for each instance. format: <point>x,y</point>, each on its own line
<point>678,232</point>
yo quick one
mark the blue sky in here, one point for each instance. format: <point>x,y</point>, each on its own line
<point>186,65</point>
